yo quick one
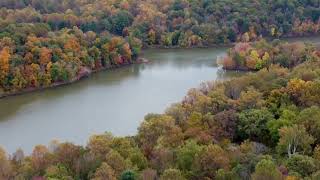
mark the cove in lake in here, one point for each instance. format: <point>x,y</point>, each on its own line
<point>115,100</point>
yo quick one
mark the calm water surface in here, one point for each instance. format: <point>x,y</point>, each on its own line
<point>114,101</point>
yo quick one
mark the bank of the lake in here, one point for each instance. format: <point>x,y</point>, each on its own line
<point>88,72</point>
<point>85,72</point>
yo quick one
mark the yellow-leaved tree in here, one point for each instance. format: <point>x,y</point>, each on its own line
<point>4,63</point>
<point>252,60</point>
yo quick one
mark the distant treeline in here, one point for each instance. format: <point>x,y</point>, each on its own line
<point>169,22</point>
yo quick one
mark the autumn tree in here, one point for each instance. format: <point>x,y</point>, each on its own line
<point>18,82</point>
<point>116,162</point>
<point>172,174</point>
<point>316,152</point>
<point>253,59</point>
<point>5,166</point>
<point>251,98</point>
<point>45,56</point>
<point>149,174</point>
<point>40,158</point>
<point>223,125</point>
<point>67,154</point>
<point>162,158</point>
<point>151,37</point>
<point>99,145</point>
<point>151,130</point>
<point>4,64</point>
<point>104,172</point>
<point>72,45</point>
<point>211,159</point>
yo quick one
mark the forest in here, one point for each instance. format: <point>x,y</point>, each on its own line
<point>45,43</point>
<point>260,54</point>
<point>264,125</point>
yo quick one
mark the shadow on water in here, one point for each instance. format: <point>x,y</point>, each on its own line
<point>182,58</point>
<point>9,106</point>
<point>178,58</point>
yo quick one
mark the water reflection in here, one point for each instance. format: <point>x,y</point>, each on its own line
<point>11,105</point>
<point>182,58</point>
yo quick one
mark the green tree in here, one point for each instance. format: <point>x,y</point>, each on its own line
<point>293,140</point>
<point>120,21</point>
<point>55,71</point>
<point>187,154</point>
<point>266,170</point>
<point>128,175</point>
<point>287,118</point>
<point>253,125</point>
<point>138,159</point>
<point>303,165</point>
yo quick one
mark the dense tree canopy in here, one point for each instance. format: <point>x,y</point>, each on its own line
<point>171,22</point>
<point>263,125</point>
<point>60,57</point>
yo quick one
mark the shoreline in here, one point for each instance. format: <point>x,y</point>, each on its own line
<point>192,47</point>
<point>140,60</point>
<point>76,79</point>
<point>225,45</point>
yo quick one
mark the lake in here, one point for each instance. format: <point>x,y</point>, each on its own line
<point>115,100</point>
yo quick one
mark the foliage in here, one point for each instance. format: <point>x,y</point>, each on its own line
<point>253,124</point>
<point>60,57</point>
<point>222,130</point>
<point>128,175</point>
<point>48,43</point>
<point>294,139</point>
<point>172,174</point>
<point>266,169</point>
<point>261,54</point>
<point>303,165</point>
